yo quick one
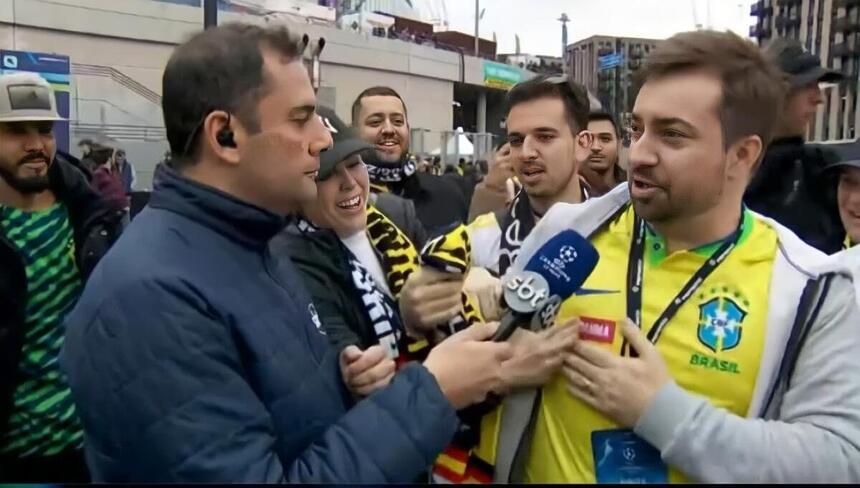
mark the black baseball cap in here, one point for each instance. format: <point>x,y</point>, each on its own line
<point>346,142</point>
<point>801,66</point>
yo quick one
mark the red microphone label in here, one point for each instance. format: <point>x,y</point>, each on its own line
<point>597,330</point>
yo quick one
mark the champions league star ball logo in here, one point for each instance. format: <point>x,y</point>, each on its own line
<point>568,254</point>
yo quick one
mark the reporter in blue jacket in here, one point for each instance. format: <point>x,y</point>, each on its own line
<point>196,356</point>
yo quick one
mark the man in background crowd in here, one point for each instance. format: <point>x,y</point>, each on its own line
<point>380,116</point>
<point>107,179</point>
<point>126,171</point>
<point>791,185</point>
<point>547,132</point>
<point>603,172</point>
<point>85,146</point>
<point>53,230</point>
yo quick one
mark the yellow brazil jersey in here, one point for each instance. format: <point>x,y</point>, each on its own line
<point>712,346</point>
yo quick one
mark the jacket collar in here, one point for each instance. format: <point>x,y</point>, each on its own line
<point>240,221</point>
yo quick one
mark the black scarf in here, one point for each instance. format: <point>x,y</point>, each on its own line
<point>516,224</point>
<point>383,174</point>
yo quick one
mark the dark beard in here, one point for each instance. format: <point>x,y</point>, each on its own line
<point>375,158</point>
<point>29,185</point>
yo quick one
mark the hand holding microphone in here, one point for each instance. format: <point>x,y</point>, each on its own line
<point>556,271</point>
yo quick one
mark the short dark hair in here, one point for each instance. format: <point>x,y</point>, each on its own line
<point>99,154</point>
<point>572,94</point>
<point>374,91</point>
<point>597,116</point>
<point>218,69</point>
<point>88,142</point>
<point>753,87</point>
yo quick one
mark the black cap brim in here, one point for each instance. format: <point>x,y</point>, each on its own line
<point>845,164</point>
<point>818,74</point>
<point>341,150</point>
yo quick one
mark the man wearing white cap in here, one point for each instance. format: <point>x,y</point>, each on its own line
<point>53,230</point>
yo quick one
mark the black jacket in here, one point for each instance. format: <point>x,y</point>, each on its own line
<point>439,202</point>
<point>323,261</point>
<point>792,188</point>
<point>96,226</point>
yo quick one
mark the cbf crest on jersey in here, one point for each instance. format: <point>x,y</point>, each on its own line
<point>721,320</point>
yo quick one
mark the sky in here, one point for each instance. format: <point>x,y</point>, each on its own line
<point>540,32</point>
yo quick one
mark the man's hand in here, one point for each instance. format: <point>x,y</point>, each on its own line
<point>487,291</point>
<point>621,388</point>
<point>498,173</point>
<point>467,366</point>
<point>430,298</point>
<point>367,371</point>
<point>538,355</point>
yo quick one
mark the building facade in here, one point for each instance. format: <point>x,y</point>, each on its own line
<point>605,66</point>
<point>831,30</point>
<point>544,65</point>
<point>115,74</point>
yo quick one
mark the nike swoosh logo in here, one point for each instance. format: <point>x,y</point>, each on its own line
<point>587,291</point>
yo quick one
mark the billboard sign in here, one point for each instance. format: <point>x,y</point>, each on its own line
<point>499,75</point>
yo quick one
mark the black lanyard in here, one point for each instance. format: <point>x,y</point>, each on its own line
<point>635,275</point>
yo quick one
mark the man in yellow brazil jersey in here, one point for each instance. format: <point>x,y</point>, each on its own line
<point>740,362</point>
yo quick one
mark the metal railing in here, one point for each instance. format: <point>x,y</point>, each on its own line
<point>120,132</point>
<point>119,77</point>
<point>451,145</point>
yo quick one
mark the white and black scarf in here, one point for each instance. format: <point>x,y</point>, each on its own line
<point>379,307</point>
<point>516,223</point>
<point>395,173</point>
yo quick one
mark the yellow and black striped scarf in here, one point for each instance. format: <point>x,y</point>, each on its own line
<point>449,253</point>
<point>399,259</point>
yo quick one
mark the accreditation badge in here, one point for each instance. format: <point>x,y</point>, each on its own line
<point>620,456</point>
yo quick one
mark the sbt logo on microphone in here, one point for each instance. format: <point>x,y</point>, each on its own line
<point>525,291</point>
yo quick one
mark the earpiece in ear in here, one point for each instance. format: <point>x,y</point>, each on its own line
<point>225,138</point>
<point>225,135</point>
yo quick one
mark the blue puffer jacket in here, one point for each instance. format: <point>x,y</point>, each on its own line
<point>193,356</point>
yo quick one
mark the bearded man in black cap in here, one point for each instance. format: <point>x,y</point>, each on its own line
<point>379,114</point>
<point>791,185</point>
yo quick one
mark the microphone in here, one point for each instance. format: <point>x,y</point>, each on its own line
<point>556,271</point>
